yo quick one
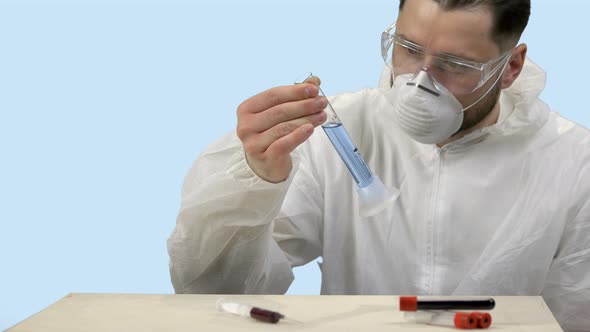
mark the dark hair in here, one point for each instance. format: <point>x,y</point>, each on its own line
<point>510,17</point>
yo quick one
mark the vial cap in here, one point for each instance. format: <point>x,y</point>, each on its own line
<point>464,320</point>
<point>408,303</point>
<point>484,320</point>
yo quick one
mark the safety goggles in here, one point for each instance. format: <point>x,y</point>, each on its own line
<point>460,76</point>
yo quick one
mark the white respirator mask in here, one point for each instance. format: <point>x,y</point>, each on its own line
<point>425,110</point>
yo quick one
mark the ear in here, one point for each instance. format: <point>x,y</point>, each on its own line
<point>514,66</point>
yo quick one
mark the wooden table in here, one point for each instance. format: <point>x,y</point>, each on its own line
<point>179,313</point>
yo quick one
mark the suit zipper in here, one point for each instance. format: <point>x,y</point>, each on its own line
<point>431,223</point>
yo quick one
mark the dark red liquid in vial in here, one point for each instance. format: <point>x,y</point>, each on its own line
<point>265,315</point>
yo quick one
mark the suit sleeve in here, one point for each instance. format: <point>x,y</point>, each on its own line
<point>236,233</point>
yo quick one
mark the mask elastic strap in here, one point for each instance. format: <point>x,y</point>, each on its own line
<point>490,88</point>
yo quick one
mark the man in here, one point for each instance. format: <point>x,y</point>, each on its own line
<point>494,188</point>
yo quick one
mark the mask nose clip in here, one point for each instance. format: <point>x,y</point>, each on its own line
<point>424,81</point>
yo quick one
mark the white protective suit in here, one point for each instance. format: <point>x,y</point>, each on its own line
<point>502,211</point>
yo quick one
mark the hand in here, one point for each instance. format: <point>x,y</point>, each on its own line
<point>273,123</point>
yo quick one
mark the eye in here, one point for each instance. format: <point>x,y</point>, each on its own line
<point>412,51</point>
<point>452,67</point>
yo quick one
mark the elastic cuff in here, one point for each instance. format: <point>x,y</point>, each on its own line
<point>239,169</point>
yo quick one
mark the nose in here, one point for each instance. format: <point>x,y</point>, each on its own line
<point>425,82</point>
<point>428,62</point>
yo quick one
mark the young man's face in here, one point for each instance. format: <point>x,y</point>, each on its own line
<point>462,33</point>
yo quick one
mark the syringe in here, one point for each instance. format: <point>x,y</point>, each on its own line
<point>373,195</point>
<point>245,310</point>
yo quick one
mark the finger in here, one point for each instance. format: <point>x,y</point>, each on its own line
<point>278,95</point>
<point>314,80</point>
<point>287,112</point>
<point>288,143</point>
<point>260,143</point>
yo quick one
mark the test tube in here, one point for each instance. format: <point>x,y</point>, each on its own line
<point>412,303</point>
<point>373,194</point>
<point>459,320</point>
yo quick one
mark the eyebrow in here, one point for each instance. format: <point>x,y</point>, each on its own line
<point>456,56</point>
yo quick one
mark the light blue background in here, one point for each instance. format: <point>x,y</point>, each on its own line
<point>104,106</point>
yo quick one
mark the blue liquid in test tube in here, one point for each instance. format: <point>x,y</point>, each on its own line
<point>349,153</point>
<point>373,195</point>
